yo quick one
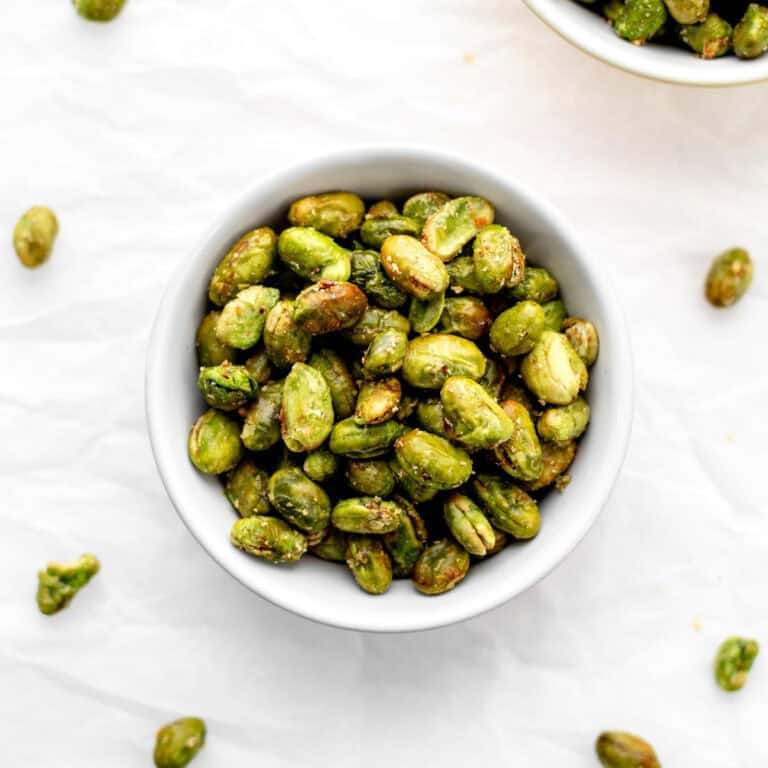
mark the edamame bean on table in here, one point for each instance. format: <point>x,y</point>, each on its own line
<point>709,28</point>
<point>618,749</point>
<point>390,388</point>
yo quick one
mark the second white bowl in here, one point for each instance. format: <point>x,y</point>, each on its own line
<point>592,33</point>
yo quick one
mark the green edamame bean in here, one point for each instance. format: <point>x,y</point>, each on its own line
<point>334,213</point>
<point>285,343</point>
<point>373,322</point>
<point>313,255</point>
<point>58,583</point>
<point>177,743</point>
<point>729,277</point>
<point>386,353</point>
<point>339,380</point>
<point>711,38</point>
<point>733,661</point>
<point>366,514</point>
<point>329,306</point>
<point>269,538</point>
<point>616,749</point>
<point>211,351</point>
<point>476,419</point>
<point>440,567</point>
<point>214,443</point>
<point>466,316</point>
<point>407,541</point>
<point>247,263</point>
<point>553,371</point>
<point>369,563</point>
<point>750,35</point>
<point>468,524</point>
<point>375,231</point>
<point>498,258</point>
<point>538,284</point>
<point>422,205</point>
<point>508,507</point>
<point>432,460</point>
<point>261,428</point>
<point>640,20</point>
<point>413,268</point>
<point>688,11</point>
<point>370,477</point>
<point>431,359</point>
<point>320,465</point>
<point>368,441</point>
<point>378,401</point>
<point>425,314</point>
<point>306,414</point>
<point>453,225</point>
<point>99,10</point>
<point>368,274</point>
<point>516,330</point>
<point>246,487</point>
<point>226,386</point>
<point>34,235</point>
<point>299,500</point>
<point>520,456</point>
<point>242,320</point>
<point>565,423</point>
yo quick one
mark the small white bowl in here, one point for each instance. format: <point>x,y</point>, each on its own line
<point>592,33</point>
<point>323,591</point>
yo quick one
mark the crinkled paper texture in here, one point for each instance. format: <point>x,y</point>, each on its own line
<point>138,133</point>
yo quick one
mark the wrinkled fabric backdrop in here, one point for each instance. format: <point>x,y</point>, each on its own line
<point>139,132</point>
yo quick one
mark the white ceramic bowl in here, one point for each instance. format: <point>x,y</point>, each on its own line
<point>590,32</point>
<point>323,591</point>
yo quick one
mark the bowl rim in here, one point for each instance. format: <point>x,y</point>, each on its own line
<point>166,458</point>
<point>546,11</point>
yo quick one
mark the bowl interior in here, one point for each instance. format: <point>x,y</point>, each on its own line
<point>590,32</point>
<point>324,591</point>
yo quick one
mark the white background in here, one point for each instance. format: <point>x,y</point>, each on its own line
<point>137,133</point>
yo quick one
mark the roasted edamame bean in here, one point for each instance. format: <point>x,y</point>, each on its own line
<point>476,419</point>
<point>269,538</point>
<point>248,262</point>
<point>440,567</point>
<point>333,213</point>
<point>58,583</point>
<point>454,224</point>
<point>306,413</point>
<point>553,371</point>
<point>214,443</point>
<point>242,319</point>
<point>99,10</point>
<point>413,268</point>
<point>750,35</point>
<point>431,359</point>
<point>177,743</point>
<point>729,277</point>
<point>617,749</point>
<point>226,386</point>
<point>733,661</point>
<point>34,235</point>
<point>711,38</point>
<point>246,487</point>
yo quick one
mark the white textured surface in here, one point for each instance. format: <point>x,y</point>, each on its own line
<point>137,133</point>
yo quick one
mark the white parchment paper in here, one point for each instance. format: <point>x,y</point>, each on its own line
<point>137,133</point>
